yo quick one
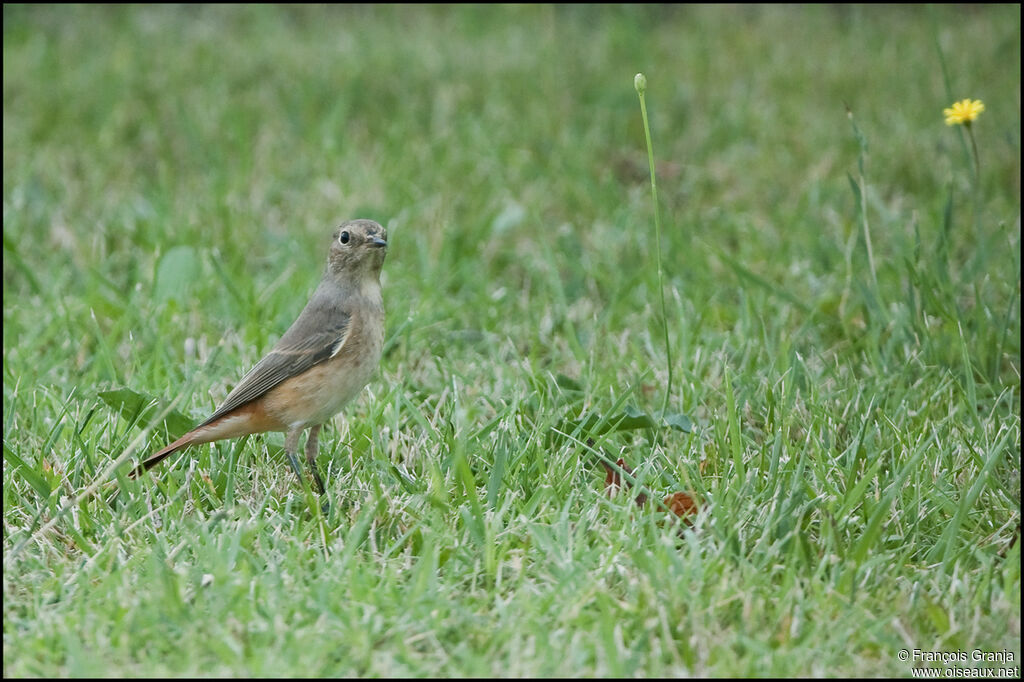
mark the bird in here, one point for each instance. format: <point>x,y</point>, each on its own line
<point>324,359</point>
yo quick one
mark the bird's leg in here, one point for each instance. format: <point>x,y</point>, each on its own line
<point>312,447</point>
<point>291,446</point>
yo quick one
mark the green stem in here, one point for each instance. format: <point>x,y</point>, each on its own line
<point>867,232</point>
<point>974,148</point>
<point>640,82</point>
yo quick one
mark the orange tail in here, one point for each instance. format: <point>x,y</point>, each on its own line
<point>158,457</point>
<point>247,419</point>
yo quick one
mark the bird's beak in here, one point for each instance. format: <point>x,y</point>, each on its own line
<point>377,241</point>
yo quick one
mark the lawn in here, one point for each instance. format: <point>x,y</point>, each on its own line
<point>839,305</point>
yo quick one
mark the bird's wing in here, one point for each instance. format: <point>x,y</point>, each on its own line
<point>308,342</point>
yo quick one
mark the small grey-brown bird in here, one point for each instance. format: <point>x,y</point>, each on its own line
<point>323,361</point>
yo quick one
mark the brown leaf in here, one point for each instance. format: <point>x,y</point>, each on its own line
<point>641,499</point>
<point>613,480</point>
<point>612,477</point>
<point>682,505</point>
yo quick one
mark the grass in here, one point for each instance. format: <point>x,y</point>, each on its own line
<point>172,175</point>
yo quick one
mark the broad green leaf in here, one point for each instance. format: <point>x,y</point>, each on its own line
<point>567,383</point>
<point>679,422</point>
<point>178,268</point>
<point>134,406</point>
<point>629,419</point>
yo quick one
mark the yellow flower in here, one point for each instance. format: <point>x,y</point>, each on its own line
<point>963,112</point>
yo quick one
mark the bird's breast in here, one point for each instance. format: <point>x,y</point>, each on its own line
<point>319,393</point>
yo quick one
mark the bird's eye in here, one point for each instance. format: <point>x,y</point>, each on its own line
<point>343,237</point>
